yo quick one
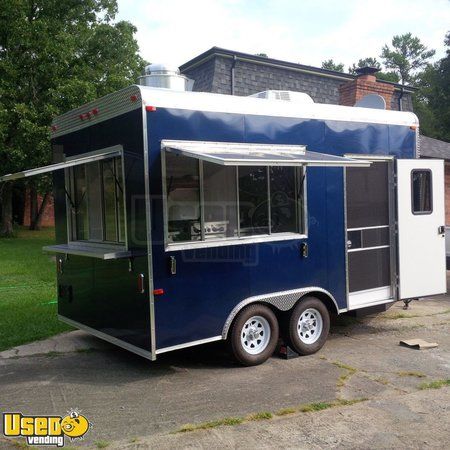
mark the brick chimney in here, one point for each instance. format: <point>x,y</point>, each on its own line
<point>365,83</point>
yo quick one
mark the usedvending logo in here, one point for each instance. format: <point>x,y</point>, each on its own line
<point>46,430</point>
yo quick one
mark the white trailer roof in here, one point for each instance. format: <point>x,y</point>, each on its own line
<point>136,97</point>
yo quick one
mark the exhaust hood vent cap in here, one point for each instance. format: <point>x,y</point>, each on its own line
<point>161,75</point>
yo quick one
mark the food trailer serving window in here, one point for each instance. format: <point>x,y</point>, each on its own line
<point>222,191</point>
<point>96,202</point>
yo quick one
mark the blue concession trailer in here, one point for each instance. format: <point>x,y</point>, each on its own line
<point>184,218</point>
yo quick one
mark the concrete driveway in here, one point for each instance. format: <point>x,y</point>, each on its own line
<point>134,403</point>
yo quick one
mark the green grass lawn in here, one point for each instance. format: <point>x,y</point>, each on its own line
<point>28,309</point>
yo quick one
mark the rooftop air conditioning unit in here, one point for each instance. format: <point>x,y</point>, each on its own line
<point>290,96</point>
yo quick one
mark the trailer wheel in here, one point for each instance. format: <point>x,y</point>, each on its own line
<point>254,335</point>
<point>309,325</point>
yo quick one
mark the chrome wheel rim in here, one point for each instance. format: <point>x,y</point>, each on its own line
<point>309,326</point>
<point>255,335</point>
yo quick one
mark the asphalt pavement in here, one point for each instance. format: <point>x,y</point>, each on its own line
<point>134,403</point>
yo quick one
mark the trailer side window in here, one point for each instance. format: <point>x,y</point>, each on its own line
<point>422,196</point>
<point>97,202</point>
<point>285,197</point>
<point>253,201</point>
<point>80,229</point>
<point>183,198</point>
<point>219,199</point>
<point>207,201</point>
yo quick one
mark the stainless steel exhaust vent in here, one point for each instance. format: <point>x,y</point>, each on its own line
<point>165,76</point>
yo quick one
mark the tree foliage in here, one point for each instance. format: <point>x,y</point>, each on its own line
<point>329,64</point>
<point>365,62</point>
<point>406,56</point>
<point>432,101</point>
<point>56,55</point>
<point>373,62</point>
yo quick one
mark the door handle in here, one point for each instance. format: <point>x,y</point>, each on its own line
<point>304,249</point>
<point>441,230</point>
<point>60,265</point>
<point>172,265</point>
<point>141,285</point>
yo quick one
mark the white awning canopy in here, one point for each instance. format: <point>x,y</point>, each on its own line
<point>86,158</point>
<point>239,154</point>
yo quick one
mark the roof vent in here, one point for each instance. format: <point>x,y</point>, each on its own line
<point>290,96</point>
<point>165,76</point>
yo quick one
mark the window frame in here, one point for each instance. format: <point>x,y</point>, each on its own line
<point>301,219</point>
<point>70,219</point>
<point>430,211</point>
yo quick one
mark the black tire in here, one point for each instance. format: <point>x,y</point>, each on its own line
<point>298,336</point>
<point>241,351</point>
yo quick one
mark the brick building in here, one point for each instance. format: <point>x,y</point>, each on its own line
<point>228,72</point>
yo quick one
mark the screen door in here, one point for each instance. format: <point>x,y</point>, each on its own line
<point>368,234</point>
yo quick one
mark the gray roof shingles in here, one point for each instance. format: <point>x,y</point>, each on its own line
<point>434,148</point>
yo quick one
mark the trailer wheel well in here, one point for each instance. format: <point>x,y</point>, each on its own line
<point>324,298</point>
<point>281,303</point>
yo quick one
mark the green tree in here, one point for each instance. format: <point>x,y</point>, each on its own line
<point>329,64</point>
<point>406,57</point>
<point>387,76</point>
<point>373,62</point>
<point>432,101</point>
<point>54,55</point>
<point>365,62</point>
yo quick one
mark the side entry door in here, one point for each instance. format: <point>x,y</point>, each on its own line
<point>421,227</point>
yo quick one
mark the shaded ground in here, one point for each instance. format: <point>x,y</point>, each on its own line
<point>128,398</point>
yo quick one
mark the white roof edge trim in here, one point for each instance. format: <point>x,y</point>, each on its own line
<point>86,158</point>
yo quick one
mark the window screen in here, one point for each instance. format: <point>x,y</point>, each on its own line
<point>253,201</point>
<point>283,199</point>
<point>206,201</point>
<point>183,198</point>
<point>219,191</point>
<point>422,196</point>
<point>80,211</point>
<point>98,211</point>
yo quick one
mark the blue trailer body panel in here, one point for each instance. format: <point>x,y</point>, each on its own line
<point>210,282</point>
<point>103,294</point>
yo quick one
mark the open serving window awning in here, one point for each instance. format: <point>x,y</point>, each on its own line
<point>239,154</point>
<point>86,158</point>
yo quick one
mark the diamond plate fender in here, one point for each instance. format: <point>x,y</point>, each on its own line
<point>283,300</point>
